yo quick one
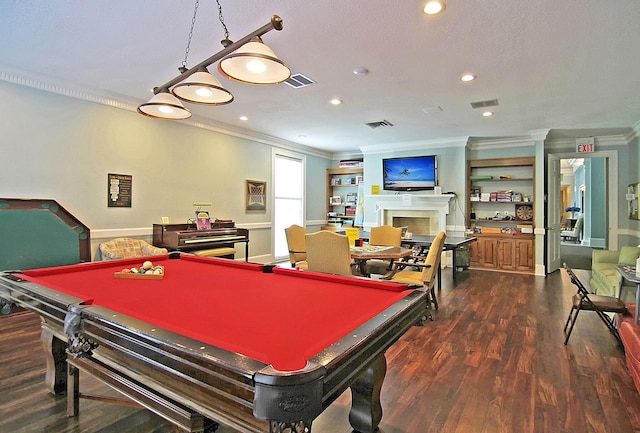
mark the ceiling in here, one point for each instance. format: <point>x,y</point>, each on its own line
<point>569,66</point>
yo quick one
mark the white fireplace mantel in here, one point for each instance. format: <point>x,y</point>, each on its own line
<point>438,203</point>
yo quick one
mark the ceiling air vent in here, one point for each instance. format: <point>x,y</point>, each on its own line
<point>374,125</point>
<point>298,80</point>
<point>483,104</point>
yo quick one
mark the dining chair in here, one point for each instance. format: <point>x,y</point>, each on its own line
<point>328,252</point>
<point>297,246</point>
<point>426,274</point>
<point>584,300</point>
<point>383,235</point>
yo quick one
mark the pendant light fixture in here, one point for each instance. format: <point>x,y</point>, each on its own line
<point>202,88</point>
<point>254,63</point>
<point>163,105</point>
<point>247,60</point>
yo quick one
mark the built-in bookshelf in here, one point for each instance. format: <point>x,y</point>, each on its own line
<point>342,194</point>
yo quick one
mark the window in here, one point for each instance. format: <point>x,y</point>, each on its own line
<point>288,189</point>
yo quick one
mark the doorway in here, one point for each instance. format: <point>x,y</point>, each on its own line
<point>584,227</point>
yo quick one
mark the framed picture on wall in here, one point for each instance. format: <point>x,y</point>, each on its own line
<point>256,196</point>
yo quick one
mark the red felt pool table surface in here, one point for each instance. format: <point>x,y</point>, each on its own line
<point>282,318</point>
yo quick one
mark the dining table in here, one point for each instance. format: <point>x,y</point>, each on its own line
<point>362,253</point>
<point>421,243</point>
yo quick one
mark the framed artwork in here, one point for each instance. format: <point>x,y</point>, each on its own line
<point>256,196</point>
<point>119,190</point>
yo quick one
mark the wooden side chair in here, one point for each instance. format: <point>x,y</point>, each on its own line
<point>584,300</point>
<point>427,273</point>
<point>383,235</point>
<point>297,246</point>
<point>328,252</point>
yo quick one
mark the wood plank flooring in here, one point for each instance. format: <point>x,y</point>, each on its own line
<point>493,361</point>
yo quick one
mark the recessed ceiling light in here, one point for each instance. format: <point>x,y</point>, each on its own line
<point>244,118</point>
<point>360,71</point>
<point>433,7</point>
<point>487,113</point>
<point>467,77</point>
<point>335,101</point>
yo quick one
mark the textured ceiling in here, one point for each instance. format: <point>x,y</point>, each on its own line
<point>569,66</point>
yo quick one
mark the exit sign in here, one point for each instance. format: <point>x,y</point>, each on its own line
<point>585,145</point>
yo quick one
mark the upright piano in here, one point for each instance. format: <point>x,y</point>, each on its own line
<point>185,237</point>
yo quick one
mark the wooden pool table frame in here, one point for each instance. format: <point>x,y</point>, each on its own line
<point>159,369</point>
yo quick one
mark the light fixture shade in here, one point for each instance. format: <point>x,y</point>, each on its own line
<point>254,63</point>
<point>202,88</point>
<point>164,105</point>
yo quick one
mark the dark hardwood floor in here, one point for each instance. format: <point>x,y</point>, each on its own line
<point>493,361</point>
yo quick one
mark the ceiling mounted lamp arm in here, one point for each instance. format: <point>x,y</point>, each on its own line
<point>275,23</point>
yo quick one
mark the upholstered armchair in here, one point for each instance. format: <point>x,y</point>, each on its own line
<point>575,232</point>
<point>125,248</point>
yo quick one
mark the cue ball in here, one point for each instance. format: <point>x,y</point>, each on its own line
<point>147,265</point>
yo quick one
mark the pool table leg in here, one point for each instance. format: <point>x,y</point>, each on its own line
<point>73,391</point>
<point>366,410</point>
<point>56,357</point>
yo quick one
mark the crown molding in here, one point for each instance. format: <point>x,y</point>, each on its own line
<point>194,121</point>
<point>477,143</point>
<point>635,132</point>
<point>600,142</point>
<point>415,145</point>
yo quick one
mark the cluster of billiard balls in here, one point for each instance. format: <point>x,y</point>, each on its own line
<point>146,268</point>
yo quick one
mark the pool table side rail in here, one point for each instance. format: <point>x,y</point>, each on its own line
<point>50,304</point>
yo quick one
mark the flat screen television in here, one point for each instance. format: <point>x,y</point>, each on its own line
<point>414,173</point>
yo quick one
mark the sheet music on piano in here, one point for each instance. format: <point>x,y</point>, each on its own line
<point>203,221</point>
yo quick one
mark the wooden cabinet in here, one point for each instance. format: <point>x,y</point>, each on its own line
<point>501,213</point>
<point>503,252</point>
<point>342,194</point>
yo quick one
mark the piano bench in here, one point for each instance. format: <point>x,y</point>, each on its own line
<point>226,253</point>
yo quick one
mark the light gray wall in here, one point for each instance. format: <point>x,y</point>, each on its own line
<point>62,148</point>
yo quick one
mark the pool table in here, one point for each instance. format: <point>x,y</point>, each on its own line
<point>253,347</point>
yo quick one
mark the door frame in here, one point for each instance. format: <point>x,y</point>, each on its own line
<point>611,157</point>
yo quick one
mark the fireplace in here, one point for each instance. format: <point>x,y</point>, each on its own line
<point>414,224</point>
<point>422,214</point>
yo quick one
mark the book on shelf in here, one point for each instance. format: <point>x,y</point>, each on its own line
<point>335,200</point>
